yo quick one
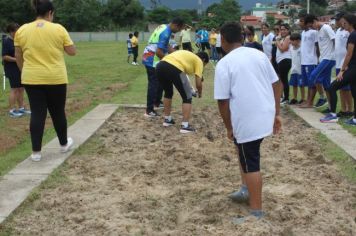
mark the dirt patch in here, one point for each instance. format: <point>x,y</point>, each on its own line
<point>138,178</point>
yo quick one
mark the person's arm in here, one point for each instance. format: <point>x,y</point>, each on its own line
<point>68,44</point>
<point>277,126</point>
<point>283,46</point>
<point>70,50</point>
<point>350,49</point>
<point>9,58</point>
<point>224,109</point>
<point>19,57</point>
<point>199,85</point>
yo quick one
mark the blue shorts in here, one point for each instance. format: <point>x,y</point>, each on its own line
<point>306,71</point>
<point>129,51</point>
<point>347,87</point>
<point>322,73</point>
<point>296,80</point>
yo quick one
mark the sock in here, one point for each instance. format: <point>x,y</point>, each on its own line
<point>169,118</point>
<point>185,124</point>
<point>257,213</point>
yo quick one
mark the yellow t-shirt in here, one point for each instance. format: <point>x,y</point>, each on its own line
<point>42,44</point>
<point>134,41</point>
<point>212,39</point>
<point>186,61</point>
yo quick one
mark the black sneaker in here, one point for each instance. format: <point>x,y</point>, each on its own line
<point>321,102</point>
<point>151,114</point>
<point>293,102</point>
<point>341,114</point>
<point>168,123</point>
<point>285,101</point>
<point>301,101</point>
<point>349,113</point>
<point>186,130</point>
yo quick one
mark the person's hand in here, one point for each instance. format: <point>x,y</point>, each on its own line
<point>277,126</point>
<point>340,76</point>
<point>230,134</point>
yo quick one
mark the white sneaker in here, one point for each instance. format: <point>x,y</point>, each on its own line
<point>36,157</point>
<point>134,63</point>
<point>68,146</point>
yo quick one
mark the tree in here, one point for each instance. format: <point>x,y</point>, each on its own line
<point>159,15</point>
<point>270,20</point>
<point>19,11</point>
<point>124,12</point>
<point>219,13</point>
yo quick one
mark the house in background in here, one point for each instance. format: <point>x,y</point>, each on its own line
<point>254,21</point>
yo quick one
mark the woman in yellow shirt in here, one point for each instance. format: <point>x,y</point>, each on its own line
<point>39,48</point>
<point>134,44</point>
<point>212,41</point>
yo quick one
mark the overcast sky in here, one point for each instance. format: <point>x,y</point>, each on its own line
<point>188,4</point>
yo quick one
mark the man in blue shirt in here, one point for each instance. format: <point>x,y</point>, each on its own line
<point>157,48</point>
<point>203,34</point>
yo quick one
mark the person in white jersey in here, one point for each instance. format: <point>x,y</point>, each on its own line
<point>284,60</point>
<point>341,37</point>
<point>267,40</point>
<point>321,76</point>
<point>248,101</point>
<point>296,74</point>
<point>218,44</point>
<point>309,50</point>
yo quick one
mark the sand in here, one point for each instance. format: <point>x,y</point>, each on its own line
<point>137,178</point>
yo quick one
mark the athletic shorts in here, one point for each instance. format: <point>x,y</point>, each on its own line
<point>169,76</point>
<point>129,51</point>
<point>249,155</point>
<point>15,82</point>
<point>204,46</point>
<point>347,87</point>
<point>322,73</point>
<point>296,80</point>
<point>187,46</point>
<point>306,72</point>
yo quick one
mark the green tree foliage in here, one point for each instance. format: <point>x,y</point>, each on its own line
<point>162,15</point>
<point>19,11</point>
<point>124,12</point>
<point>219,13</point>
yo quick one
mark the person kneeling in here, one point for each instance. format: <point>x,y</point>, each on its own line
<point>174,70</point>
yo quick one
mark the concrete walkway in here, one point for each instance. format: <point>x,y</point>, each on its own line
<point>333,131</point>
<point>18,183</point>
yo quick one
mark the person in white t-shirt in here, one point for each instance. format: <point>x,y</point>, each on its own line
<point>296,74</point>
<point>185,38</point>
<point>218,44</point>
<point>322,73</point>
<point>267,40</point>
<point>309,54</point>
<point>341,37</point>
<point>248,101</point>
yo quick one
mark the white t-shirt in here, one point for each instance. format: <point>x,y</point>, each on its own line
<point>218,40</point>
<point>296,61</point>
<point>326,35</point>
<point>245,77</point>
<point>280,56</point>
<point>185,34</point>
<point>267,44</point>
<point>308,48</point>
<point>340,46</point>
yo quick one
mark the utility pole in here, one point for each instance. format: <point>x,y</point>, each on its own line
<point>308,6</point>
<point>200,7</point>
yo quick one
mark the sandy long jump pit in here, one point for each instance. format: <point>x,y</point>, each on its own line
<point>135,177</point>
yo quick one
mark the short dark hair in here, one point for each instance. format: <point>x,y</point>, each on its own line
<point>309,18</point>
<point>232,32</point>
<point>178,21</point>
<point>130,35</point>
<point>136,33</point>
<point>295,36</point>
<point>42,7</point>
<point>203,56</point>
<point>12,27</point>
<point>265,24</point>
<point>285,25</point>
<point>339,15</point>
<point>351,19</point>
<point>251,29</point>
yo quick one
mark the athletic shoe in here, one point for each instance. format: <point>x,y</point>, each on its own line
<point>167,122</point>
<point>321,102</point>
<point>151,114</point>
<point>36,157</point>
<point>256,215</point>
<point>68,146</point>
<point>240,196</point>
<point>351,122</point>
<point>349,113</point>
<point>15,114</point>
<point>186,130</point>
<point>134,63</point>
<point>342,114</point>
<point>24,111</point>
<point>301,101</point>
<point>293,102</point>
<point>284,101</point>
<point>329,118</point>
<point>326,111</point>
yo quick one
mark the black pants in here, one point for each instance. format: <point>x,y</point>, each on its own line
<point>41,98</point>
<point>154,89</point>
<point>349,78</point>
<point>168,75</point>
<point>135,53</point>
<point>187,46</point>
<point>283,69</point>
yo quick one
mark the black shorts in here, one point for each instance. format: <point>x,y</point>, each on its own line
<point>169,75</point>
<point>15,82</point>
<point>187,46</point>
<point>249,155</point>
<point>204,46</point>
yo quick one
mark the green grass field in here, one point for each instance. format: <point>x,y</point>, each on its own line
<point>98,74</point>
